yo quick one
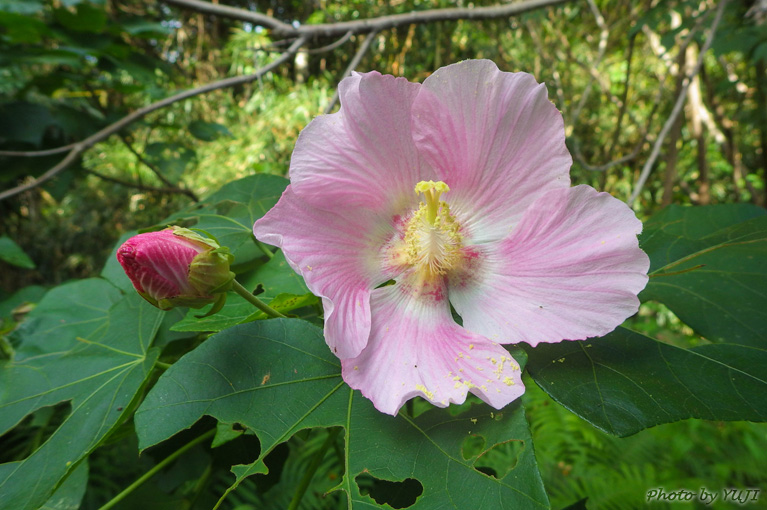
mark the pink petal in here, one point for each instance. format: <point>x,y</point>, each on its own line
<point>363,155</point>
<point>416,349</point>
<point>495,139</point>
<point>571,269</point>
<point>338,258</point>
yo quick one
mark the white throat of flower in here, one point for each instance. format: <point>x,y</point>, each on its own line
<point>432,240</point>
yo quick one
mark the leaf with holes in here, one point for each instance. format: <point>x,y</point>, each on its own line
<point>97,360</point>
<point>625,382</point>
<point>709,266</point>
<point>229,213</point>
<point>277,377</point>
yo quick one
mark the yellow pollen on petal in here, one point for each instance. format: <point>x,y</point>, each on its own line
<point>422,388</point>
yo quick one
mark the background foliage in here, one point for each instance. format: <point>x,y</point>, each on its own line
<point>695,351</point>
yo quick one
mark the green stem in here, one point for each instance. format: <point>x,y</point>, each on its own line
<point>261,246</point>
<point>162,365</point>
<point>245,293</point>
<point>312,469</point>
<point>149,474</point>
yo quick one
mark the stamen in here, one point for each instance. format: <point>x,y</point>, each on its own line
<point>431,192</point>
<point>432,240</point>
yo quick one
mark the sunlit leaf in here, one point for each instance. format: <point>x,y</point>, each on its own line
<point>709,266</point>
<point>208,131</point>
<point>625,382</point>
<point>277,377</point>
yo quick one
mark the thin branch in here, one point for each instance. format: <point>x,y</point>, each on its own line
<point>136,185</point>
<point>108,131</point>
<point>234,13</point>
<point>274,47</point>
<point>33,154</point>
<point>304,33</point>
<point>647,168</point>
<point>364,26</point>
<point>331,46</point>
<point>156,171</point>
<point>352,66</point>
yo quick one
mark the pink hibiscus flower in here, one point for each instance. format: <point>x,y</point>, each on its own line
<point>457,190</point>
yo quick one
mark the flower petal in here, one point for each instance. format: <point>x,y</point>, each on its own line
<point>570,270</point>
<point>495,139</point>
<point>416,349</point>
<point>338,258</point>
<point>363,155</point>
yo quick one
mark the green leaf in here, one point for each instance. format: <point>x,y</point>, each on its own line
<point>69,494</point>
<point>171,159</point>
<point>625,382</point>
<point>277,279</point>
<point>277,377</point>
<point>709,266</point>
<point>84,17</point>
<point>37,120</point>
<point>229,213</point>
<point>13,254</point>
<point>208,131</point>
<point>28,294</point>
<point>99,375</point>
<point>78,309</point>
<point>19,28</point>
<point>144,28</point>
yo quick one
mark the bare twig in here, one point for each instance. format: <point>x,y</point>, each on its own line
<point>234,13</point>
<point>274,47</point>
<point>156,171</point>
<point>32,154</point>
<point>136,185</point>
<point>80,147</point>
<point>331,46</point>
<point>364,26</point>
<point>352,66</point>
<point>647,168</point>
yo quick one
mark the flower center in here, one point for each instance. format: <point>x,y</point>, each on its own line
<point>432,241</point>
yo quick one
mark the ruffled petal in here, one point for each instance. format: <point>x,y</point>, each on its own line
<point>337,257</point>
<point>495,139</point>
<point>416,349</point>
<point>363,155</point>
<point>570,270</point>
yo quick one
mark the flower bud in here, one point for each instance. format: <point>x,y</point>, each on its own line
<point>177,267</point>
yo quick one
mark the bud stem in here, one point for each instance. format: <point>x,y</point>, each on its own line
<point>245,293</point>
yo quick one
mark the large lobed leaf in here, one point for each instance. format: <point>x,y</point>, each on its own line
<point>709,266</point>
<point>96,356</point>
<point>277,377</point>
<point>229,213</point>
<point>282,289</point>
<point>625,382</point>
